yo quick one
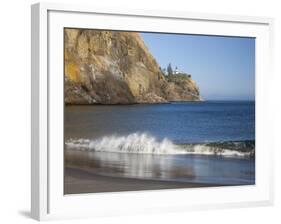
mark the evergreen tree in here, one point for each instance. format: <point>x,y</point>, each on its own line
<point>169,69</point>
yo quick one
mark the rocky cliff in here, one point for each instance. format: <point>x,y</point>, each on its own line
<point>107,67</point>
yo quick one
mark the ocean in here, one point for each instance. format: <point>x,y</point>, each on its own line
<point>210,142</point>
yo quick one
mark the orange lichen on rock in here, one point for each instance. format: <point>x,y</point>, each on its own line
<point>72,71</point>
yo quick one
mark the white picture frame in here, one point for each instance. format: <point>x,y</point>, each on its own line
<point>48,201</point>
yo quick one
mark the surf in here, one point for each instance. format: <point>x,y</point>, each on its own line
<point>144,143</point>
<point>132,143</point>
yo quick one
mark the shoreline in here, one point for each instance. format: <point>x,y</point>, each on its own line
<point>156,103</point>
<point>77,181</point>
<point>129,104</point>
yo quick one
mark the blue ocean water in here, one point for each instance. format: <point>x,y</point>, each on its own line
<point>209,121</point>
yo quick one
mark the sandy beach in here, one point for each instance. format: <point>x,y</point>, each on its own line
<point>82,181</point>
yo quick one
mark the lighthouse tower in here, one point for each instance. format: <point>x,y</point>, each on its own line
<point>176,71</point>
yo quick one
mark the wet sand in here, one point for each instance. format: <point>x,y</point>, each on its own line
<point>82,181</point>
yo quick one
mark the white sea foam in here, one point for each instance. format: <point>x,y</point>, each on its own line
<point>133,143</point>
<point>203,149</point>
<point>144,143</point>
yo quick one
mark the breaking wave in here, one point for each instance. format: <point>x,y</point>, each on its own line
<point>143,143</point>
<point>133,143</point>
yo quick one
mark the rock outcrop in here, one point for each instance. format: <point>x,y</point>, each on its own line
<point>108,67</point>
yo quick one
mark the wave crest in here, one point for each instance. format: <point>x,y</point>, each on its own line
<point>144,143</point>
<point>133,143</point>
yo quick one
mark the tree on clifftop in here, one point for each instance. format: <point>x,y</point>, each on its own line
<point>169,69</point>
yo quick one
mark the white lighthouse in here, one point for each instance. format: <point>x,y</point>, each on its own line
<point>176,71</point>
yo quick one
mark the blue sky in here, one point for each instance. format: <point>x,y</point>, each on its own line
<point>223,67</point>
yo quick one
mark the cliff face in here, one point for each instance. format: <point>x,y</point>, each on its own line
<point>107,67</point>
